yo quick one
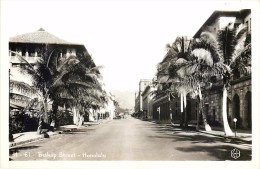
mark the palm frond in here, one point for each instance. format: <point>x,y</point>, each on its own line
<point>23,87</point>
<point>19,97</point>
<point>203,55</point>
<point>226,42</point>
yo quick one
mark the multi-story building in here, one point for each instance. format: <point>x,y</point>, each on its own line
<point>148,101</point>
<point>138,96</point>
<point>220,19</point>
<point>239,94</point>
<point>30,46</point>
<point>137,102</point>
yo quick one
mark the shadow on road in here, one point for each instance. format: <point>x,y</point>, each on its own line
<point>79,131</point>
<point>221,152</point>
<point>215,146</point>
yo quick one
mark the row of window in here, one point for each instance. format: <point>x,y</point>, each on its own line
<point>32,52</point>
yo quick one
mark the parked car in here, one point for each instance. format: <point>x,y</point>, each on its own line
<point>117,117</point>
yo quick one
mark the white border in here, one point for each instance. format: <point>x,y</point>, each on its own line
<point>254,164</point>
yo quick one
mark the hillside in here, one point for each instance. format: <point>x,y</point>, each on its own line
<point>126,99</point>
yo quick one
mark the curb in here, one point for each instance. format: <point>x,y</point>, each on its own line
<point>13,144</point>
<point>32,140</point>
<point>229,137</point>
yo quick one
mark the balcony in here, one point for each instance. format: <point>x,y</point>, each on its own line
<point>15,59</point>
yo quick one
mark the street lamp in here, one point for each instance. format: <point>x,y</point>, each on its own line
<point>235,120</point>
<point>159,109</point>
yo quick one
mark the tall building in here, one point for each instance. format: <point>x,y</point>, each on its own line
<point>148,101</point>
<point>138,96</point>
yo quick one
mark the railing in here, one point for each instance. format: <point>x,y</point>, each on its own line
<point>15,59</point>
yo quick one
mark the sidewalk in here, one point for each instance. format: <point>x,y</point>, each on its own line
<point>27,137</point>
<point>241,135</point>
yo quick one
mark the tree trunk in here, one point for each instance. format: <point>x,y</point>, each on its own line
<point>45,116</point>
<point>181,120</point>
<point>227,129</point>
<point>54,113</point>
<point>75,115</point>
<point>185,110</point>
<point>81,120</point>
<point>201,108</point>
<point>198,116</point>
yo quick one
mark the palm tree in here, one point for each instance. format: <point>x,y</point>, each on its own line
<point>46,76</point>
<point>219,57</point>
<point>177,53</point>
<point>55,78</point>
<point>233,48</point>
<point>81,87</point>
<point>194,71</point>
<point>201,66</point>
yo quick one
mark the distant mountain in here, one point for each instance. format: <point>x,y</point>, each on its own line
<point>126,99</point>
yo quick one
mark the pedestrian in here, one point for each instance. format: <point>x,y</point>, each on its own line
<point>40,127</point>
<point>52,125</point>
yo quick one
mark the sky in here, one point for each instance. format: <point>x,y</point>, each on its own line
<point>127,38</point>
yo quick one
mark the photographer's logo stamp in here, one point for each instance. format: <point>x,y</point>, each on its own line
<point>235,153</point>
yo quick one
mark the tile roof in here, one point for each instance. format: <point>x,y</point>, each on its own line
<point>41,36</point>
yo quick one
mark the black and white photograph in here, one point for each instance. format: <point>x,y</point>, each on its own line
<point>132,84</point>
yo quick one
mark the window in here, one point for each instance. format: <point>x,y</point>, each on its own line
<point>214,114</point>
<point>23,51</point>
<point>63,51</point>
<point>15,65</point>
<point>247,26</point>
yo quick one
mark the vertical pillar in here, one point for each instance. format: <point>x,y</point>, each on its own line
<point>26,53</point>
<point>242,108</point>
<point>141,101</point>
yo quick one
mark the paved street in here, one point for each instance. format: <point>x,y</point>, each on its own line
<point>131,139</point>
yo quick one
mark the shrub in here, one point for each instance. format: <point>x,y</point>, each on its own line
<point>22,122</point>
<point>64,118</point>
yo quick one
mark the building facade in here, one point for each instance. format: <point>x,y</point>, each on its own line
<point>31,47</point>
<point>169,109</point>
<point>148,101</point>
<point>138,95</point>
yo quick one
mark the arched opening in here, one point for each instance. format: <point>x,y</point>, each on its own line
<point>248,112</point>
<point>236,109</point>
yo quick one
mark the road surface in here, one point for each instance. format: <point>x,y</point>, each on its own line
<point>131,139</point>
